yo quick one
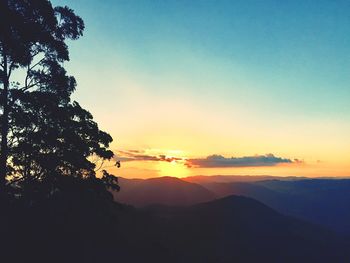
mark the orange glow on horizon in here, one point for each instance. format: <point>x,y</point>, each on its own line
<point>174,164</point>
<point>173,168</point>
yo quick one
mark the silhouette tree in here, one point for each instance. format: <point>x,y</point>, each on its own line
<point>44,135</point>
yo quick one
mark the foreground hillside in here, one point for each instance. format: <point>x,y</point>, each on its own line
<point>232,229</point>
<point>239,229</point>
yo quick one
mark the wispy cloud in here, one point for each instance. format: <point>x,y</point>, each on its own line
<point>136,155</point>
<point>247,161</point>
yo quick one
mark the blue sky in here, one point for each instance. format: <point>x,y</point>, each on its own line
<point>273,64</point>
<point>296,49</point>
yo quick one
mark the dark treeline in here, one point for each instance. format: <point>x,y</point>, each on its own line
<point>51,149</point>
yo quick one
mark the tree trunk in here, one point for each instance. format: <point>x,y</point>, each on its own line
<point>4,125</point>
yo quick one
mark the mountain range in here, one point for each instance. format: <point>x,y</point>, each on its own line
<point>177,221</point>
<point>320,201</point>
<point>230,229</point>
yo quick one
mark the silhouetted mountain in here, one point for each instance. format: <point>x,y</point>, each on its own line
<point>162,190</point>
<point>321,201</point>
<point>232,229</point>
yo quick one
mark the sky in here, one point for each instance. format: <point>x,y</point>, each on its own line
<point>218,87</point>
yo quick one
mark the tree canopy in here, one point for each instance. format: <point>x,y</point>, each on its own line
<point>45,136</point>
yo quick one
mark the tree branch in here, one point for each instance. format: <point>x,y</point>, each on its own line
<point>10,69</point>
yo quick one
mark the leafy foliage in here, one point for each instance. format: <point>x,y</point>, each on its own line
<point>44,134</point>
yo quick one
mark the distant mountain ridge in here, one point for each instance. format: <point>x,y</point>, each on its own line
<point>237,178</point>
<point>163,190</point>
<point>321,201</point>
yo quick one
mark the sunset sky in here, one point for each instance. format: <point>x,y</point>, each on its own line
<point>218,87</point>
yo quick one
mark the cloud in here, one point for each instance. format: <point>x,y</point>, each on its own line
<point>247,161</point>
<point>134,155</point>
<point>211,161</point>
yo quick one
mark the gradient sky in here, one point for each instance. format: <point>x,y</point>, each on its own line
<point>191,79</point>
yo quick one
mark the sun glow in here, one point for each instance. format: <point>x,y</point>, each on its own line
<point>173,168</point>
